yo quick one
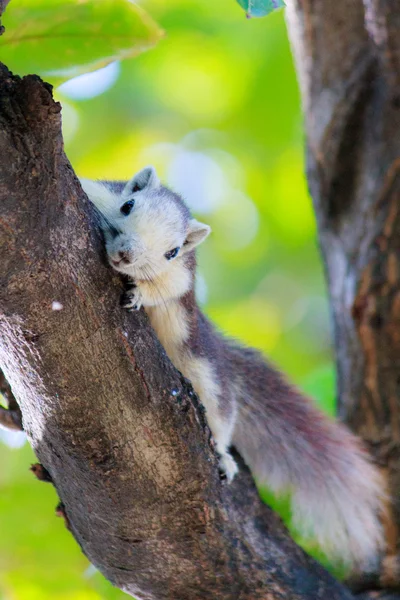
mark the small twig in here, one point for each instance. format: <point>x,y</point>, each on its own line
<point>41,473</point>
<point>60,512</point>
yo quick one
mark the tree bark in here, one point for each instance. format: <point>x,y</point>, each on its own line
<point>118,429</point>
<point>348,61</point>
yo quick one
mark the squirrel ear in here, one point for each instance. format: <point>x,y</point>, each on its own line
<point>145,179</point>
<point>197,233</point>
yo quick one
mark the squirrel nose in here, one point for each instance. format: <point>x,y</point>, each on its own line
<point>124,255</point>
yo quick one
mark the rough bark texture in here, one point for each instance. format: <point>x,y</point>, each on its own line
<point>114,424</point>
<point>117,428</point>
<point>348,60</point>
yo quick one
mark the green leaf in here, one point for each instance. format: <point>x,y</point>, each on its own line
<point>260,8</point>
<point>60,39</point>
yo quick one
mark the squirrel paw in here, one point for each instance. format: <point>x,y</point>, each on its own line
<point>228,467</point>
<point>131,298</point>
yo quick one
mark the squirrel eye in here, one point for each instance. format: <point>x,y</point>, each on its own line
<point>171,253</point>
<point>126,208</point>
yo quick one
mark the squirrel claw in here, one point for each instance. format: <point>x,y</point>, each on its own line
<point>131,299</point>
<point>227,467</point>
<point>222,474</point>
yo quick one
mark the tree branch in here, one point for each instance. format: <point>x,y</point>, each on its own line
<point>347,57</point>
<point>118,429</point>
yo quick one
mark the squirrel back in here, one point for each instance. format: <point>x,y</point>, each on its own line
<point>289,445</point>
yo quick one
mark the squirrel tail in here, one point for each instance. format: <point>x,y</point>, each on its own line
<point>289,445</point>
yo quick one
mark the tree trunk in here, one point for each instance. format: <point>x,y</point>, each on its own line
<point>119,430</point>
<point>348,61</point>
<point>117,427</point>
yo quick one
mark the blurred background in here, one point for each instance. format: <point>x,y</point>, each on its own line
<point>215,107</point>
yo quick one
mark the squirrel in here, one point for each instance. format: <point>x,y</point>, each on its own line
<point>286,441</point>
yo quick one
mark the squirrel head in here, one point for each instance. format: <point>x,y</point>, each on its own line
<point>147,227</point>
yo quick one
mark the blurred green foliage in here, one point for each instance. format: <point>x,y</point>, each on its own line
<point>60,39</point>
<point>215,107</point>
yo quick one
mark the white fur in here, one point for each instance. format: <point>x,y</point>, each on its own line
<point>156,225</point>
<point>343,516</point>
<point>101,196</point>
<point>170,323</point>
<point>337,496</point>
<point>205,383</point>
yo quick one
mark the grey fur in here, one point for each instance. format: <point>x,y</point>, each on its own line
<point>287,442</point>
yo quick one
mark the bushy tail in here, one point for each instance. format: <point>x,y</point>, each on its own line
<point>289,445</point>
